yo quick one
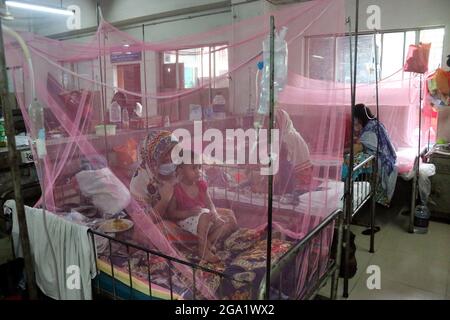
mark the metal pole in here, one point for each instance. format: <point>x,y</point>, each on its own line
<point>210,76</point>
<point>145,76</point>
<point>348,181</point>
<point>270,189</point>
<point>335,278</point>
<point>351,160</point>
<point>15,172</point>
<point>374,187</point>
<point>416,164</point>
<point>177,73</point>
<point>102,88</point>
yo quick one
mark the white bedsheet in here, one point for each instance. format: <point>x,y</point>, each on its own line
<point>329,198</point>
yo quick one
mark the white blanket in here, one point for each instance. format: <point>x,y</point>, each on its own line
<point>73,250</point>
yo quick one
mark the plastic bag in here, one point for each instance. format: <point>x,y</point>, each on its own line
<point>280,67</point>
<point>417,60</point>
<point>107,192</point>
<point>426,171</point>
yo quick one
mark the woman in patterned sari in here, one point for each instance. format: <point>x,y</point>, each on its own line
<point>370,133</point>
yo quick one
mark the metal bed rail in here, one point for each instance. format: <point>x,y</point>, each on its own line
<point>315,277</point>
<point>365,184</point>
<point>170,262</point>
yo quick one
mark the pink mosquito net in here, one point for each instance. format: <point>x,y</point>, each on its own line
<point>93,152</point>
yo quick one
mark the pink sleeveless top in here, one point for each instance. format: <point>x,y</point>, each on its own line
<point>185,202</point>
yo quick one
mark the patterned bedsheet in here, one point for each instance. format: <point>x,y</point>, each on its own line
<point>243,261</point>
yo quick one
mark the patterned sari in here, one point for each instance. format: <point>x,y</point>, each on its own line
<point>387,157</point>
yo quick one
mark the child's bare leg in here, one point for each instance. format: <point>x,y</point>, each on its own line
<point>222,229</point>
<point>202,232</point>
<point>214,235</point>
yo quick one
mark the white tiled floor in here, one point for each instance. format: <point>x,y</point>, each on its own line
<point>413,266</point>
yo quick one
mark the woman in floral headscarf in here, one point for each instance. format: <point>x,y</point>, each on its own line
<point>153,182</point>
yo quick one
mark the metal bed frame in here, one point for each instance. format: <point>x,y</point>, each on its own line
<point>363,195</point>
<point>311,289</point>
<point>277,269</point>
<point>352,208</point>
<point>274,271</point>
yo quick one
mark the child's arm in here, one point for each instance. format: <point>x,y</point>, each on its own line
<point>209,203</point>
<point>211,206</point>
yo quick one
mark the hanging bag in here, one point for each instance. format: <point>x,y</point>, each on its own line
<point>417,60</point>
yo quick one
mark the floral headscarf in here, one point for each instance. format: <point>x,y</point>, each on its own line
<point>155,146</point>
<point>144,184</point>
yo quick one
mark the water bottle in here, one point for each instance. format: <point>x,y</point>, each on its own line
<point>125,119</point>
<point>421,219</point>
<point>115,114</point>
<point>38,136</point>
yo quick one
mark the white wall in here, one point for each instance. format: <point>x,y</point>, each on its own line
<point>401,14</point>
<point>118,10</point>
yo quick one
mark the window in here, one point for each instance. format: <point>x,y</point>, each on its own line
<point>393,55</point>
<point>366,58</point>
<point>195,67</point>
<point>392,49</point>
<point>436,38</point>
<point>321,58</point>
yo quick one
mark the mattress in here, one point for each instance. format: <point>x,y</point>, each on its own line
<point>140,286</point>
<point>328,197</point>
<point>243,260</point>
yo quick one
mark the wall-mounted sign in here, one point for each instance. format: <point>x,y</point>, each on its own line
<point>117,57</point>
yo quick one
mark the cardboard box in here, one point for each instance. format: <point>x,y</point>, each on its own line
<point>443,127</point>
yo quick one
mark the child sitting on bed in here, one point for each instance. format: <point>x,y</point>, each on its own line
<point>194,210</point>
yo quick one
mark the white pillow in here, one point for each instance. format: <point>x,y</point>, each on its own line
<point>107,192</point>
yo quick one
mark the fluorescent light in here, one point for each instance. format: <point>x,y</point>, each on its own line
<point>21,5</point>
<point>5,14</point>
<point>318,57</point>
<point>126,45</point>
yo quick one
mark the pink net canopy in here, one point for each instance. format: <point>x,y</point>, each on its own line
<point>104,110</point>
